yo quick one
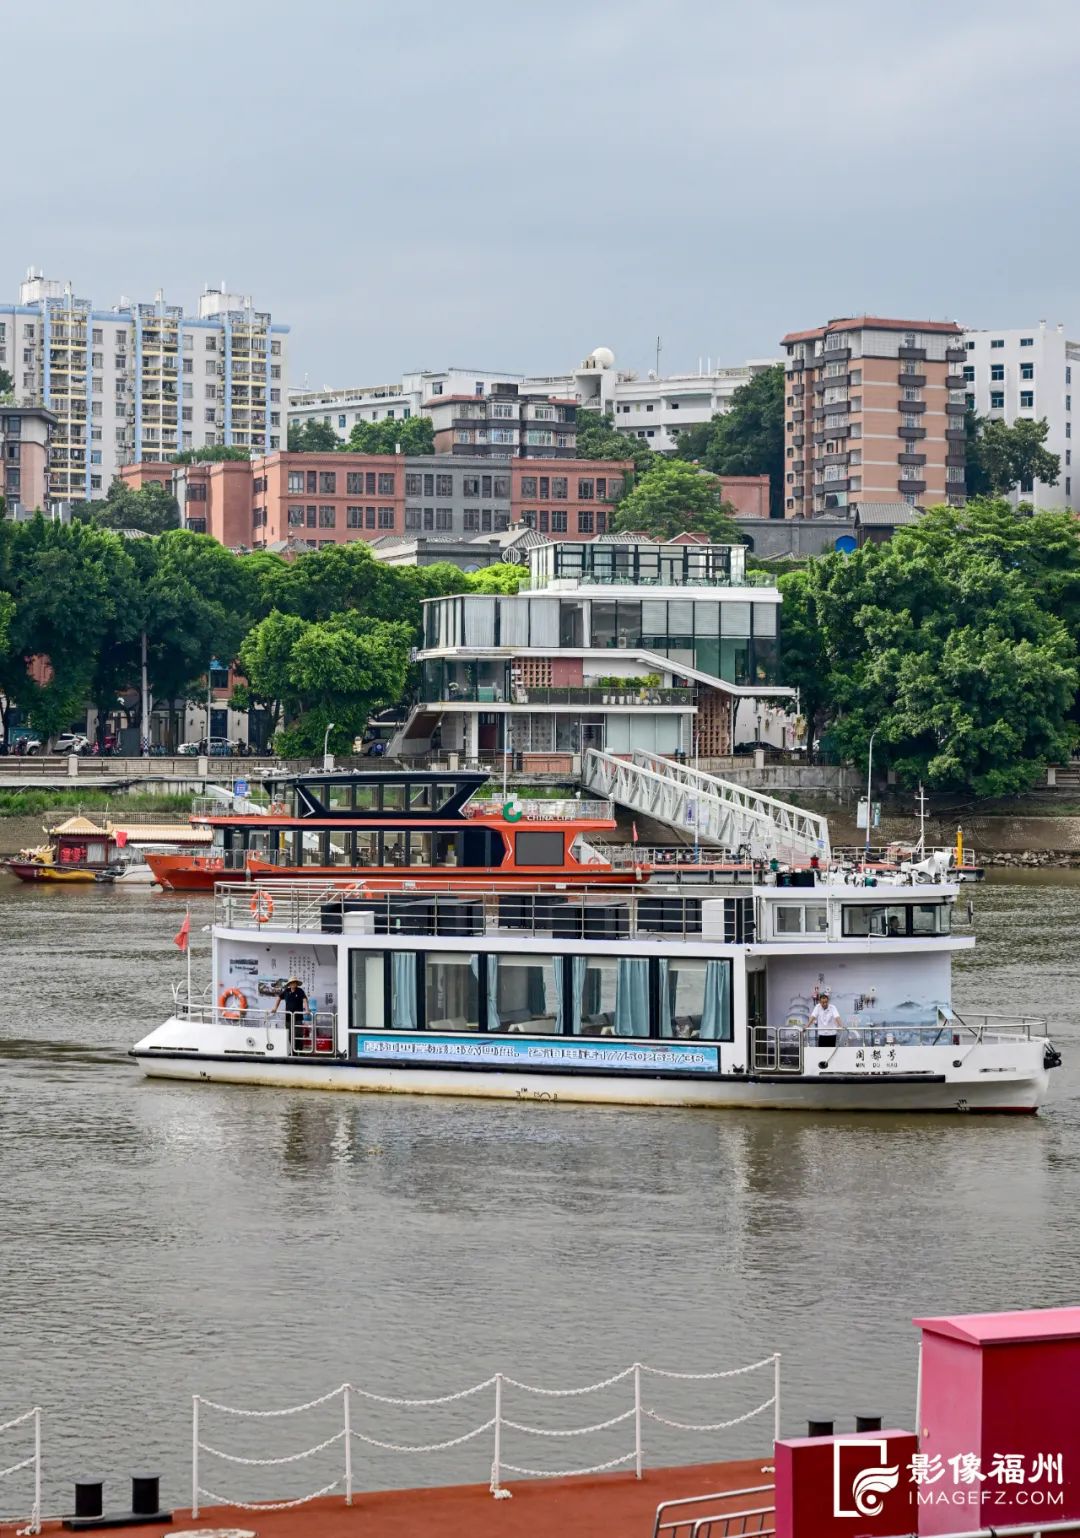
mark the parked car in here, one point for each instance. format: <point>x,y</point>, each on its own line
<point>188,750</point>
<point>71,742</point>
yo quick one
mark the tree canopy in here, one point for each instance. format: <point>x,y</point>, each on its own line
<point>410,435</point>
<point>313,438</point>
<point>598,438</point>
<point>954,642</point>
<point>676,498</point>
<point>7,386</point>
<point>1003,456</point>
<point>150,509</point>
<point>212,454</point>
<point>749,438</point>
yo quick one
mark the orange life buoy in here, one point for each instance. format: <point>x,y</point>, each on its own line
<point>262,907</point>
<point>232,995</point>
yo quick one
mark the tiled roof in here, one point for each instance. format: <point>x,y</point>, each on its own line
<point>873,323</point>
<point>882,515</point>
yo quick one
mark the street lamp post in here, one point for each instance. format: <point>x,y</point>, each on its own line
<point>869,775</point>
<point>325,754</point>
<point>214,663</point>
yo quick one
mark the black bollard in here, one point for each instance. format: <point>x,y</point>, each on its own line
<point>868,1423</point>
<point>88,1497</point>
<point>819,1428</point>
<point>145,1500</point>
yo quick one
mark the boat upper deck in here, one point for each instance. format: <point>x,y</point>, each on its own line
<point>811,912</point>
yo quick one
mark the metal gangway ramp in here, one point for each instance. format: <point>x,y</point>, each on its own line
<point>710,810</point>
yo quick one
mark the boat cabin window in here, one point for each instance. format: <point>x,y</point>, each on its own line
<point>419,798</point>
<point>367,848</point>
<point>338,798</point>
<point>546,995</point>
<point>339,847</point>
<point>893,921</point>
<point>446,849</point>
<point>393,798</point>
<point>799,919</point>
<point>419,848</point>
<point>451,991</point>
<point>538,848</point>
<point>366,798</point>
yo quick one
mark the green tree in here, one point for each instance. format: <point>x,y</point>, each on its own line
<point>947,642</point>
<point>598,438</point>
<point>312,438</point>
<point>150,509</point>
<point>1001,457</point>
<point>337,670</point>
<point>212,454</point>
<point>749,438</point>
<point>7,386</point>
<point>498,578</point>
<point>412,435</point>
<point>677,498</point>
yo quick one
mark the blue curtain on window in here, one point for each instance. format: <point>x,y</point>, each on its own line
<point>493,991</point>
<point>403,1015</point>
<point>715,1014</point>
<point>632,996</point>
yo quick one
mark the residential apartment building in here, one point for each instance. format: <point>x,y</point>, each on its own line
<point>142,381</point>
<point>613,645</point>
<point>655,408</point>
<point>25,432</point>
<point>1028,372</point>
<point>509,422</point>
<point>874,413</point>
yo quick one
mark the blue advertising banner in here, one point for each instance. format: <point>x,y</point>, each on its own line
<point>614,1056</point>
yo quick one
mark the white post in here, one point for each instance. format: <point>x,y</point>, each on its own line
<point>497,1491</point>
<point>918,1400</point>
<point>194,1455</point>
<point>637,1419</point>
<point>869,787</point>
<point>348,1448</point>
<point>144,705</point>
<point>35,1520</point>
<point>776,1396</point>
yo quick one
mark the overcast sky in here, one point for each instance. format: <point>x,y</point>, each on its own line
<point>509,183</point>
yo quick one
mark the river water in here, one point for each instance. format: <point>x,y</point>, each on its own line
<point>260,1247</point>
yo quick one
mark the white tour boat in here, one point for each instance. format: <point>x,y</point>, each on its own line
<point>659,996</point>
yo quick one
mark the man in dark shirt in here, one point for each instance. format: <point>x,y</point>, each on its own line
<point>296,1002</point>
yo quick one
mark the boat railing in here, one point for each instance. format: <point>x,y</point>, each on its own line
<point>777,1048</point>
<point>359,906</point>
<point>949,1030</point>
<point>712,1516</point>
<point>539,809</point>
<point>313,1034</point>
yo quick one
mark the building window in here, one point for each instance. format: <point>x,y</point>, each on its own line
<point>341,421</point>
<point>1027,485</point>
<point>312,517</point>
<point>502,486</point>
<point>998,342</point>
<point>502,522</point>
<point>471,520</point>
<point>1068,429</point>
<point>412,483</point>
<point>528,485</point>
<point>585,490</point>
<point>1027,399</point>
<point>471,486</point>
<point>312,481</point>
<point>585,522</point>
<point>528,518</point>
<point>559,488</point>
<point>1027,371</point>
<point>412,518</point>
<point>997,371</point>
<point>444,485</point>
<point>1068,485</point>
<point>429,518</point>
<point>328,482</point>
<point>369,517</point>
<point>296,480</point>
<point>354,517</point>
<point>296,517</point>
<point>386,483</point>
<point>1026,341</point>
<point>386,514</point>
<point>429,485</point>
<point>354,482</point>
<point>997,400</point>
<point>558,521</point>
<point>327,517</point>
<point>444,518</point>
<point>969,374</point>
<point>542,524</point>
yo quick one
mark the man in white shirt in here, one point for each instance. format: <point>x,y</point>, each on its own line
<point>825,1019</point>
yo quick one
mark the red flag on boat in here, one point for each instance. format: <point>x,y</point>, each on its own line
<point>180,938</point>
<point>633,831</point>
<point>121,838</point>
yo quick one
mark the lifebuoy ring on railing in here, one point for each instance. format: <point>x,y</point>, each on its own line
<point>228,997</point>
<point>262,907</point>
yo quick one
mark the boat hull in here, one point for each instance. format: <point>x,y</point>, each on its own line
<point>29,870</point>
<point>1023,1093</point>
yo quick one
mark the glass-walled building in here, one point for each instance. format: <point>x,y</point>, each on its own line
<point>662,647</point>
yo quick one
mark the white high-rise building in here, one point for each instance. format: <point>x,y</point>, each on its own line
<point>1029,372</point>
<point>142,381</point>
